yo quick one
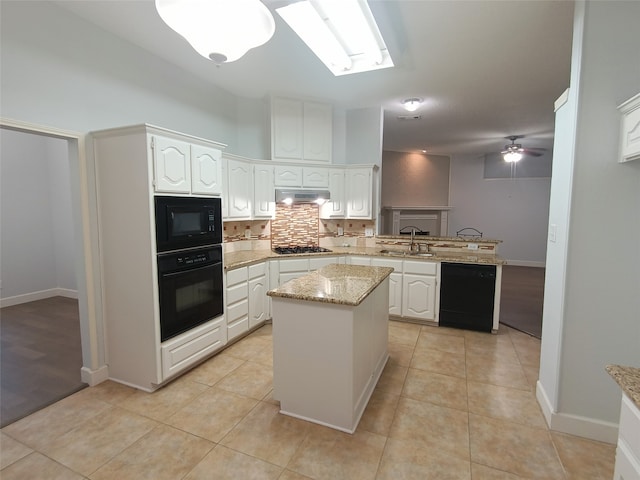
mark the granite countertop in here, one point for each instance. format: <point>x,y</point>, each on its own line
<point>339,284</point>
<point>244,258</point>
<point>629,380</point>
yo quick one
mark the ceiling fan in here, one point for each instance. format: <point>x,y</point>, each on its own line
<point>514,151</point>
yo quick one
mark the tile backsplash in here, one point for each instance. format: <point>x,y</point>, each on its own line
<point>295,225</point>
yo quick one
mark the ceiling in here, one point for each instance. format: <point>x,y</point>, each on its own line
<point>485,69</point>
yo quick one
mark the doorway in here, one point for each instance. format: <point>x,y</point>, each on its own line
<point>40,325</point>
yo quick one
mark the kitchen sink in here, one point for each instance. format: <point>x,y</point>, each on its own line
<point>419,254</point>
<point>394,252</point>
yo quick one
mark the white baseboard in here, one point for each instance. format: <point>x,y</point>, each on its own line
<point>40,295</point>
<point>94,377</point>
<point>526,263</point>
<point>574,424</point>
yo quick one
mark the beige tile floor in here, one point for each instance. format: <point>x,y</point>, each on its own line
<point>451,404</point>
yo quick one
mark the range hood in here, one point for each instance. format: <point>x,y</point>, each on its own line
<point>290,195</point>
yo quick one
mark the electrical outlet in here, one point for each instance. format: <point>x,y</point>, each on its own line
<point>368,232</point>
<point>472,246</point>
<point>340,231</point>
<point>247,234</point>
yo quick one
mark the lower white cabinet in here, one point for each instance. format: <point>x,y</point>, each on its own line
<point>395,283</point>
<point>184,350</point>
<point>237,302</point>
<point>419,290</point>
<point>317,262</point>
<point>360,260</point>
<point>628,450</point>
<point>291,268</point>
<point>258,300</point>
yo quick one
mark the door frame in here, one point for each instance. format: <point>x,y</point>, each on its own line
<point>84,209</point>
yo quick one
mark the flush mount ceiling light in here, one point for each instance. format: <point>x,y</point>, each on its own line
<point>343,34</point>
<point>220,30</point>
<point>513,151</point>
<point>411,104</point>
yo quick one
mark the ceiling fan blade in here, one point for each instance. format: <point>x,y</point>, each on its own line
<point>532,152</point>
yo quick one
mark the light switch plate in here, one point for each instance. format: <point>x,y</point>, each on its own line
<point>472,246</point>
<point>340,231</point>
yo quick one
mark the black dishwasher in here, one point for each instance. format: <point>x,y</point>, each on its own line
<point>467,294</point>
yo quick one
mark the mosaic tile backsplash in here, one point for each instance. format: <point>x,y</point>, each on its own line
<point>295,225</point>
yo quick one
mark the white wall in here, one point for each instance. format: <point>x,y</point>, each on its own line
<point>36,223</point>
<point>514,210</point>
<point>61,71</point>
<point>600,324</point>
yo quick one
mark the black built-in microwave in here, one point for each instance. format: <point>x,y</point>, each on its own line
<point>187,222</point>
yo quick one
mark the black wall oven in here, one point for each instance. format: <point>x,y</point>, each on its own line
<point>190,289</point>
<point>187,222</point>
<point>190,270</point>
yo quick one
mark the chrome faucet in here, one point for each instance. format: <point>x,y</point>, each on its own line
<point>413,246</point>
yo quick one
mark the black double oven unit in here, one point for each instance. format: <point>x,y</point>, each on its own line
<point>189,246</point>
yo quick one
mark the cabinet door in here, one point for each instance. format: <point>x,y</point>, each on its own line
<point>257,300</point>
<point>171,165</point>
<point>418,296</point>
<point>360,260</point>
<point>286,129</point>
<point>206,170</point>
<point>264,205</point>
<point>240,189</point>
<point>358,193</point>
<point>317,177</point>
<point>317,133</point>
<point>288,176</point>
<point>395,282</point>
<point>335,207</point>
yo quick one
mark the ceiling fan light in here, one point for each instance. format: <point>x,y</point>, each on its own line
<point>411,104</point>
<point>221,30</point>
<point>512,156</point>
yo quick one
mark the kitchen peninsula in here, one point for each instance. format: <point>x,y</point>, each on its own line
<point>330,335</point>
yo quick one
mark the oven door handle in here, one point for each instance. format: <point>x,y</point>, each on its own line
<point>189,270</point>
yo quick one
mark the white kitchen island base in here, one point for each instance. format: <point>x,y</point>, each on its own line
<point>327,357</point>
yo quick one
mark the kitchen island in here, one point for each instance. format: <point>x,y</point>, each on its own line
<point>330,335</point>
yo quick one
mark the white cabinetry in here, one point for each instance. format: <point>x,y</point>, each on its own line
<point>628,451</point>
<point>291,268</point>
<point>237,302</point>
<point>240,192</point>
<point>419,290</point>
<point>630,129</point>
<point>359,192</point>
<point>126,159</point>
<point>298,176</point>
<point>318,262</point>
<point>316,177</point>
<point>258,300</point>
<point>182,167</point>
<point>395,283</point>
<point>360,260</point>
<point>300,130</point>
<point>264,205</point>
<point>335,207</point>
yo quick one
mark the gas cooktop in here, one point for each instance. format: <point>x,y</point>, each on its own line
<point>299,249</point>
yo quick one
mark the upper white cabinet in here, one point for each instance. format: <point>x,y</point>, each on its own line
<point>206,170</point>
<point>317,177</point>
<point>240,193</point>
<point>183,167</point>
<point>264,205</point>
<point>301,130</point>
<point>288,176</point>
<point>171,165</point>
<point>630,130</point>
<point>335,207</point>
<point>359,192</point>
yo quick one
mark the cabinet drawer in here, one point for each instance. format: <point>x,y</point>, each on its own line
<point>360,260</point>
<point>257,270</point>
<point>237,311</point>
<point>183,351</point>
<point>237,293</point>
<point>236,276</point>
<point>294,265</point>
<point>238,328</point>
<point>424,268</point>
<point>316,263</point>
<point>385,262</point>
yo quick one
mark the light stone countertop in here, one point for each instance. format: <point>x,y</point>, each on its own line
<point>338,284</point>
<point>629,380</point>
<point>244,258</point>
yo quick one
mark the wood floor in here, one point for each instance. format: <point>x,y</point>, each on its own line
<point>40,355</point>
<point>522,298</point>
